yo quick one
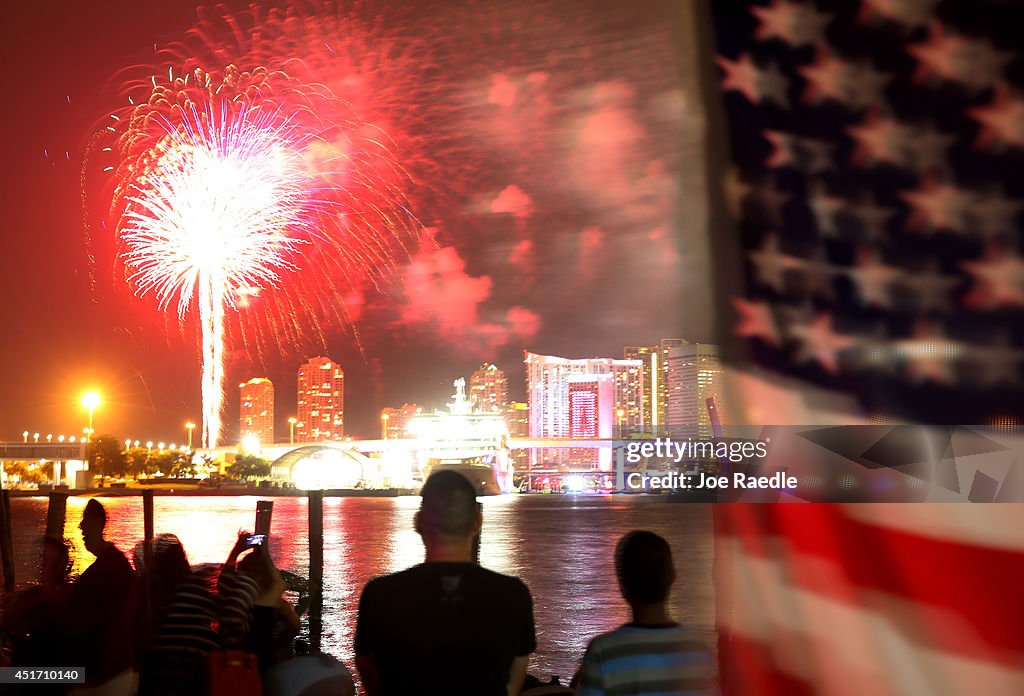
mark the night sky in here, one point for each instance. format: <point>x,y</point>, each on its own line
<point>552,148</point>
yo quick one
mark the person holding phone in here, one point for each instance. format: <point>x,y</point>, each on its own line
<point>260,619</point>
<point>447,625</point>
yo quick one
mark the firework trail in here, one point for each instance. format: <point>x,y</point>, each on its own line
<point>231,184</point>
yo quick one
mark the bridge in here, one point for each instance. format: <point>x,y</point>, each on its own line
<point>391,462</point>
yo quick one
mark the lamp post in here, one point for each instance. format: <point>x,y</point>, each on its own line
<point>384,417</point>
<point>190,426</point>
<point>291,430</point>
<point>91,400</point>
<point>24,436</point>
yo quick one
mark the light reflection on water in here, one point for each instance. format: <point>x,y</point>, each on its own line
<point>560,546</point>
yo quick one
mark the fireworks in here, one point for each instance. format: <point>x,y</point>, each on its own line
<point>230,185</point>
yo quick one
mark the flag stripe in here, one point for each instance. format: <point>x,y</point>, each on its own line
<point>845,560</point>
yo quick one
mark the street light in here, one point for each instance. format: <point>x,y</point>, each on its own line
<point>35,437</point>
<point>91,400</point>
<point>291,430</point>
<point>384,425</point>
<point>190,426</point>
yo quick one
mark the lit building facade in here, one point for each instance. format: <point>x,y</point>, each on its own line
<point>488,389</point>
<point>321,402</point>
<point>591,402</point>
<point>694,375</point>
<point>256,414</point>
<point>517,420</point>
<point>650,378</point>
<point>394,422</point>
<point>547,387</point>
<point>668,381</point>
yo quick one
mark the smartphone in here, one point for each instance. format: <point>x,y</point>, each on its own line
<point>255,540</point>
<point>264,509</point>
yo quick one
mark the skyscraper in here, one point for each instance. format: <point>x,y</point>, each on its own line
<point>321,403</point>
<point>694,375</point>
<point>591,401</point>
<point>517,420</point>
<point>668,357</point>
<point>488,389</point>
<point>547,391</point>
<point>650,377</point>
<point>256,415</point>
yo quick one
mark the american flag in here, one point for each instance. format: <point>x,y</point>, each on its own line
<point>873,175</point>
<point>876,150</point>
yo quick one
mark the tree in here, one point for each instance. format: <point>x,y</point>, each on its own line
<point>248,466</point>
<point>108,459</point>
<point>139,463</point>
<point>166,462</point>
<point>26,473</point>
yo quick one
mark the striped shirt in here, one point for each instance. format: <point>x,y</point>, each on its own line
<point>648,661</point>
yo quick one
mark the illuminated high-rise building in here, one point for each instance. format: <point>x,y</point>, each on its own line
<point>488,389</point>
<point>651,380</point>
<point>668,358</point>
<point>591,401</point>
<point>394,422</point>
<point>321,403</point>
<point>256,414</point>
<point>695,374</point>
<point>547,390</point>
<point>517,420</point>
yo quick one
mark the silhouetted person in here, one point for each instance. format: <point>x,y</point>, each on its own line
<point>274,621</point>
<point>652,654</point>
<point>446,626</point>
<point>184,614</point>
<point>101,620</point>
<point>33,617</point>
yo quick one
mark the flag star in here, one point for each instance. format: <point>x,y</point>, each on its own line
<point>928,355</point>
<point>992,215</point>
<point>938,54</point>
<point>740,75</point>
<point>908,13</point>
<point>872,217</point>
<point>864,87</point>
<point>927,148</point>
<point>772,86</point>
<point>872,278</point>
<point>935,206</point>
<point>824,207</point>
<point>878,139</point>
<point>999,280</point>
<point>794,23</point>
<point>825,77</point>
<point>755,321</point>
<point>930,287</point>
<point>767,202</point>
<point>1001,120</point>
<point>770,265</point>
<point>980,65</point>
<point>820,344</point>
<point>783,149</point>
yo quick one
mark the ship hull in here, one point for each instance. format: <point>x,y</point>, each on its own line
<point>486,479</point>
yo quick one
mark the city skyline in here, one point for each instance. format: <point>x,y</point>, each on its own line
<point>626,379</point>
<point>517,250</point>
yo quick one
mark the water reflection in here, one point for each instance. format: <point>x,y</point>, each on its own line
<point>560,546</point>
